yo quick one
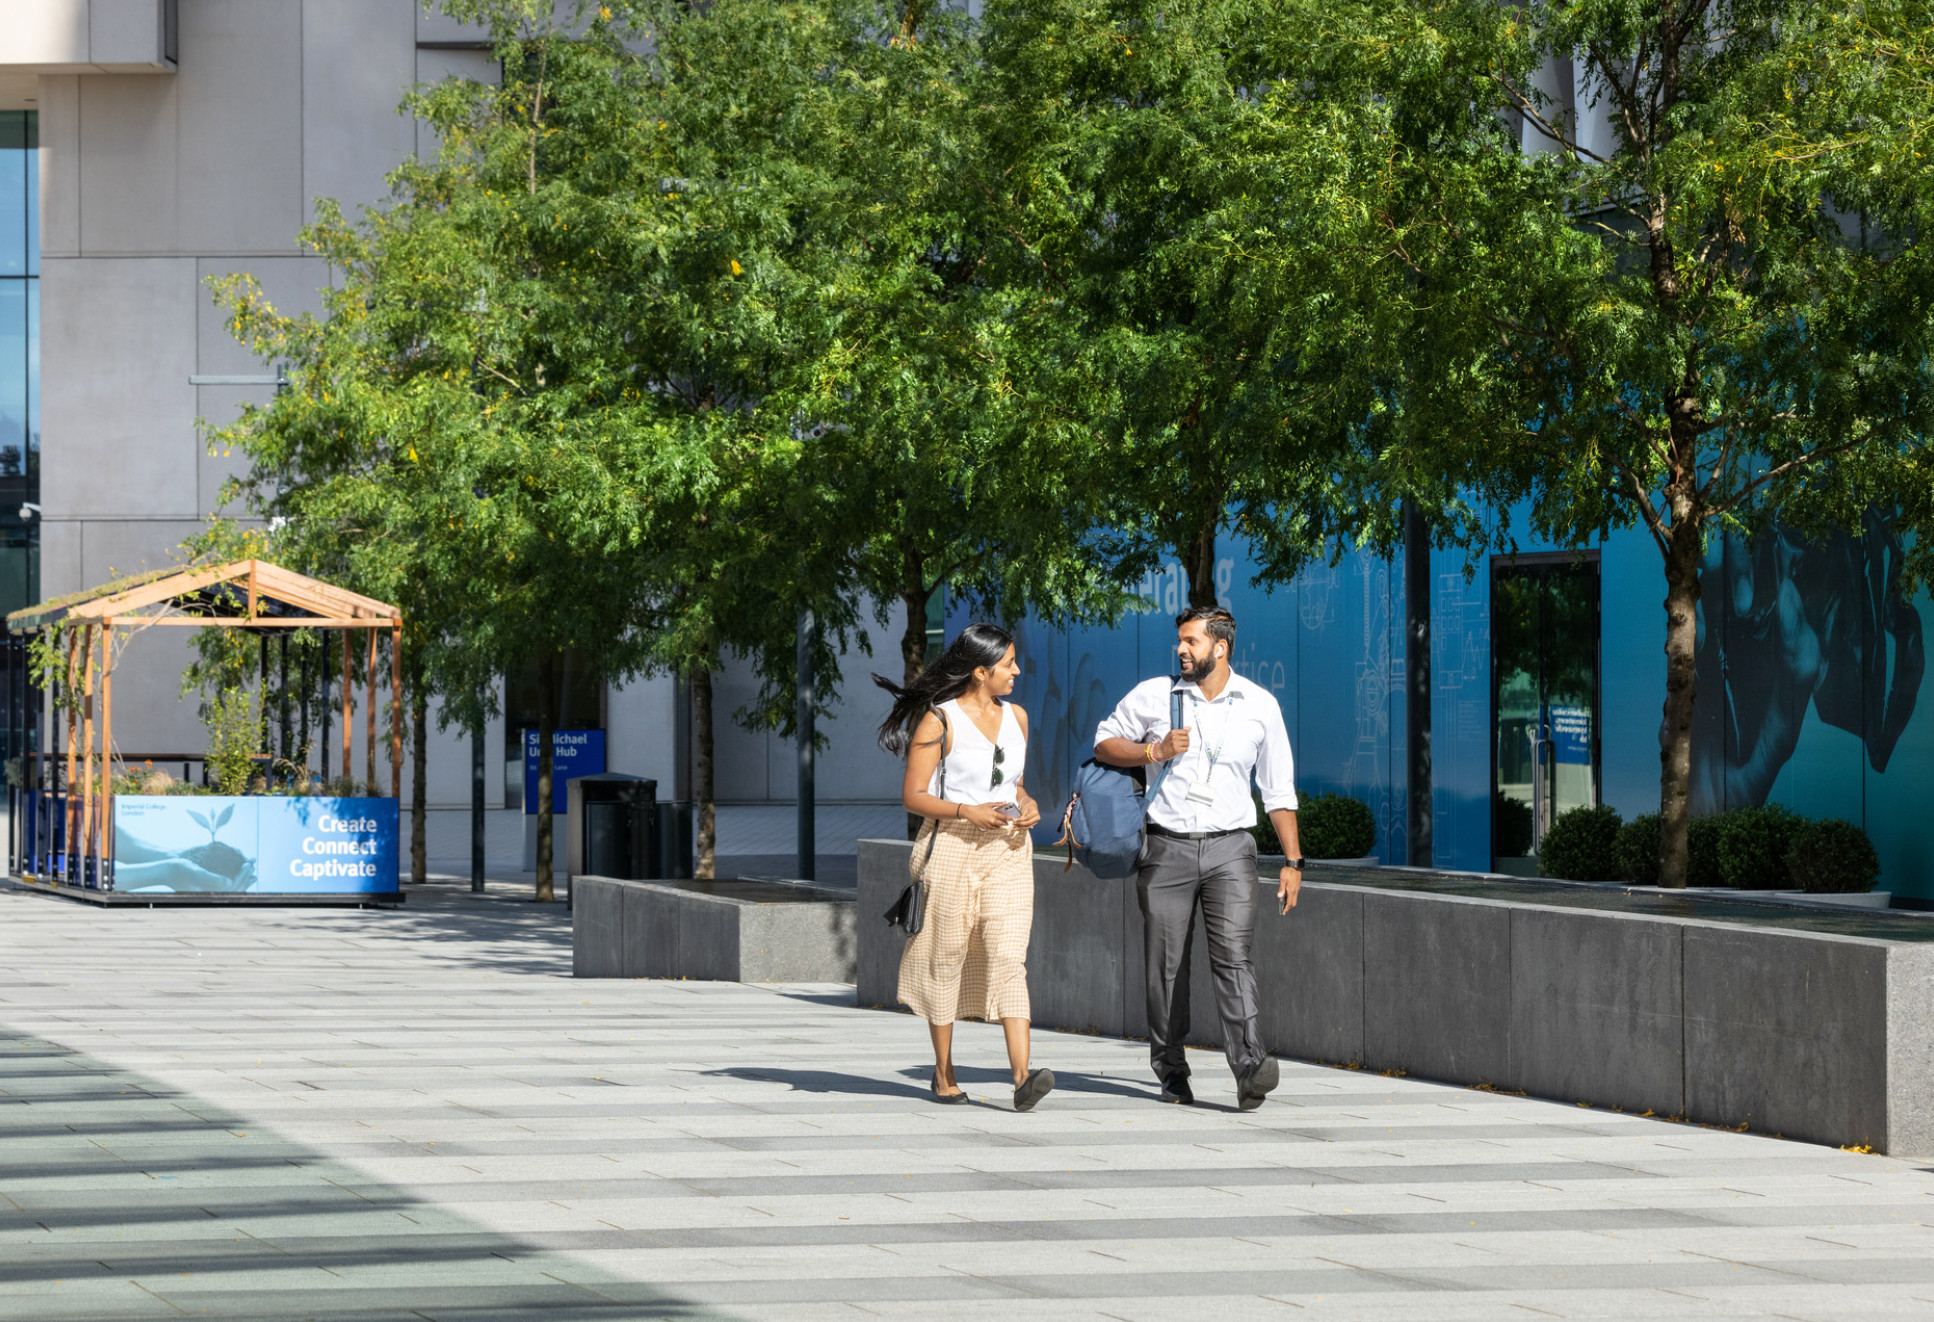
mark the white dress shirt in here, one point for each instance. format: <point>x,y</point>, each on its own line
<point>1238,735</point>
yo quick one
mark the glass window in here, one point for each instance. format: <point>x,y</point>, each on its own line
<point>19,193</point>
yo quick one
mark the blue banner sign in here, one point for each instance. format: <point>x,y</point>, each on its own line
<point>574,753</point>
<point>1571,735</point>
<point>258,845</point>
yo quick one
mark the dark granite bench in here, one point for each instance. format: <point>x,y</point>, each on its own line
<point>1810,1024</point>
<point>731,931</point>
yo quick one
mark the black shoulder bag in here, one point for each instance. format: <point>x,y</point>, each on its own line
<point>909,912</point>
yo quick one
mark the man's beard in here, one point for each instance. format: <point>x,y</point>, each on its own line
<point>1197,670</point>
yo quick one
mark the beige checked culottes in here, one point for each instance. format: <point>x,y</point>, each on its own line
<point>970,959</point>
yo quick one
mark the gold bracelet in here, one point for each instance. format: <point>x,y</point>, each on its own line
<point>1149,749</point>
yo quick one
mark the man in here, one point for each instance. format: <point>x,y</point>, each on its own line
<point>1198,847</point>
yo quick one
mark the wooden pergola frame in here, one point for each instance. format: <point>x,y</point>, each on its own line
<point>242,594</point>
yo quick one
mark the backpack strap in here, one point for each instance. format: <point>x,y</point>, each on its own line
<point>1174,723</point>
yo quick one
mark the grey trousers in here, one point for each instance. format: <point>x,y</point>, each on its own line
<point>1176,876</point>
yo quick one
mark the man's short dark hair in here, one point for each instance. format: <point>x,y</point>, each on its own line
<point>1220,624</point>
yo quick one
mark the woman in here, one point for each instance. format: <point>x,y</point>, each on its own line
<point>964,775</point>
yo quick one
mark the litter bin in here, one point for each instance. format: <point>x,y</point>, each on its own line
<point>677,840</point>
<point>611,825</point>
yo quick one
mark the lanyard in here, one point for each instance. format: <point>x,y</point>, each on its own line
<point>1214,754</point>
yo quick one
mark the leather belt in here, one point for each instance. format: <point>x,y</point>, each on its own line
<point>1193,835</point>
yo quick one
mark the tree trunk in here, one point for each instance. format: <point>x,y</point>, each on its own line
<point>546,736</point>
<point>419,780</point>
<point>705,862</point>
<point>1675,739</point>
<point>914,594</point>
<point>1198,559</point>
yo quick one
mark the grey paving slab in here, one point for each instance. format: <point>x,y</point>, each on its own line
<point>420,1114</point>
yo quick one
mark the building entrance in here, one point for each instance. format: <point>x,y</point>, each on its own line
<point>1544,700</point>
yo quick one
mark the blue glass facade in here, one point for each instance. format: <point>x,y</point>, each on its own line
<point>19,358</point>
<point>1811,664</point>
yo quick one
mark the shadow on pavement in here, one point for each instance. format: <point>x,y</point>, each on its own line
<point>1064,1081</point>
<point>819,1081</point>
<point>121,1198</point>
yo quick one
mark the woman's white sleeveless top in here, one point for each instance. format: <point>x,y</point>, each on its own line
<point>970,766</point>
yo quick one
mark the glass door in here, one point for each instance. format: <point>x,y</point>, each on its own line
<point>1544,700</point>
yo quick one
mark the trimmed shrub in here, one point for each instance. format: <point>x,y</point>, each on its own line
<point>1833,857</point>
<point>1510,826</point>
<point>1753,843</point>
<point>1579,845</point>
<point>1636,850</point>
<point>1335,826</point>
<point>1702,852</point>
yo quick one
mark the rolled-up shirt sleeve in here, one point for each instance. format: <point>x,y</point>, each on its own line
<point>1275,766</point>
<point>1129,720</point>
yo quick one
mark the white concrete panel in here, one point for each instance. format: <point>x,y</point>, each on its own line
<point>854,766</point>
<point>358,60</point>
<point>219,406</point>
<point>44,32</point>
<point>1594,109</point>
<point>128,32</point>
<point>739,761</point>
<point>241,126</point>
<point>494,754</point>
<point>1553,80</point>
<point>433,66</point>
<point>151,715</point>
<point>449,769</point>
<point>433,25</point>
<point>642,730</point>
<point>115,548</point>
<point>60,166</point>
<point>60,558</point>
<point>293,285</point>
<point>118,421</point>
<point>128,143</point>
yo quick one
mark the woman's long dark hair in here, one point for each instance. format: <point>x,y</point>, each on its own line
<point>949,677</point>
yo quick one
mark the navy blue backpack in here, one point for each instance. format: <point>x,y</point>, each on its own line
<point>1102,826</point>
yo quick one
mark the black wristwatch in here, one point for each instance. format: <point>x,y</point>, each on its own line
<point>1296,863</point>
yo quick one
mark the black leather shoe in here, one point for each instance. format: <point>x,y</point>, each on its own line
<point>1257,1084</point>
<point>950,1098</point>
<point>1175,1088</point>
<point>1037,1085</point>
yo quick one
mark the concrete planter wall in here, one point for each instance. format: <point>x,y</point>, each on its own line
<point>720,931</point>
<point>1819,1037</point>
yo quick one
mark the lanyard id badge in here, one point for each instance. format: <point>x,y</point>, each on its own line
<point>1202,790</point>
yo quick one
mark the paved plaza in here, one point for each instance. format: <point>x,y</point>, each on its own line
<point>284,1113</point>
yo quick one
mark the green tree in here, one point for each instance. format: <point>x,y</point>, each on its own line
<point>1701,299</point>
<point>443,442</point>
<point>1150,164</point>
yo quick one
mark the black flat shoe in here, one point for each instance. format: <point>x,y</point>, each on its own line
<point>1175,1089</point>
<point>1038,1085</point>
<point>1257,1084</point>
<point>950,1098</point>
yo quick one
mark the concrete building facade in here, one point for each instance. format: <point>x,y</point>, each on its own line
<point>179,140</point>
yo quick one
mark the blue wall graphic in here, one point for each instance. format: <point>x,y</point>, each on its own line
<point>1810,666</point>
<point>259,845</point>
